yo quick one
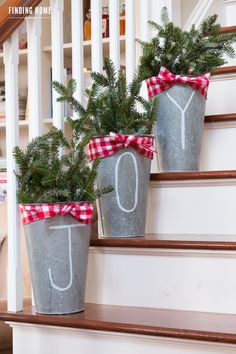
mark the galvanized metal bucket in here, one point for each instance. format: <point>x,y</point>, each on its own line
<point>123,211</point>
<point>179,128</point>
<point>58,254</point>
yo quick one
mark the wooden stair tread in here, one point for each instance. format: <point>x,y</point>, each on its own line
<point>220,118</point>
<point>142,321</point>
<point>224,70</point>
<point>195,175</point>
<point>228,29</point>
<point>159,242</point>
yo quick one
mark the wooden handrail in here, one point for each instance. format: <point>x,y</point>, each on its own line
<point>8,24</point>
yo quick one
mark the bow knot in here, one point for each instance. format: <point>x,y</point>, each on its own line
<point>165,79</point>
<point>67,208</point>
<point>125,140</point>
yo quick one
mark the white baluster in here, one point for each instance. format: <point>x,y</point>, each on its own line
<point>130,45</point>
<point>34,76</point>
<point>11,61</point>
<point>114,30</point>
<point>57,7</point>
<point>96,18</point>
<point>145,10</point>
<point>77,48</point>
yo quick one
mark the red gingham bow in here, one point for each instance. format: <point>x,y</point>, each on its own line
<point>107,145</point>
<point>166,79</point>
<point>81,211</point>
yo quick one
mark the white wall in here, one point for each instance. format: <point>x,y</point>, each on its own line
<point>187,7</point>
<point>218,8</point>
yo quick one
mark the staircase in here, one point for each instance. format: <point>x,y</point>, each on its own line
<point>174,291</point>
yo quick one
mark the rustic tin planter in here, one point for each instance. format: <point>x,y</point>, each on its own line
<point>58,253</point>
<point>123,211</point>
<point>179,128</point>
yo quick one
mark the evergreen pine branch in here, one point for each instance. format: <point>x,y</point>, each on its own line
<point>114,109</point>
<point>110,72</point>
<point>99,79</point>
<point>197,51</point>
<point>66,94</point>
<point>135,86</point>
<point>46,176</point>
<point>111,106</point>
<point>100,192</point>
<point>164,17</point>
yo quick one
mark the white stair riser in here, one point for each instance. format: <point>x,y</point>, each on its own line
<point>168,279</point>
<point>192,207</point>
<point>30,339</point>
<point>230,9</point>
<point>221,95</point>
<point>218,147</point>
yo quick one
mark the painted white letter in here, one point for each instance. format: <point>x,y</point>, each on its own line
<point>68,227</point>
<point>182,116</point>
<point>136,182</point>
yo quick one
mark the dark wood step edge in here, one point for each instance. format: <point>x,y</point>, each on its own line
<point>149,330</point>
<point>198,175</point>
<point>224,70</point>
<point>220,118</point>
<point>228,29</point>
<point>165,244</point>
